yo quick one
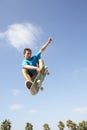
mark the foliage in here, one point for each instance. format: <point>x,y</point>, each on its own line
<point>61,125</point>
<point>46,126</point>
<point>6,125</point>
<point>28,126</point>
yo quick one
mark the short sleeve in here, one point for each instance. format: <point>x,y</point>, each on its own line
<point>24,63</point>
<point>38,55</point>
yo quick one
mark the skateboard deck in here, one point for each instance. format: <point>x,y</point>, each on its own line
<point>37,84</point>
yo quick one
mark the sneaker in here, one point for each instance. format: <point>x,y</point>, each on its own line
<point>28,84</point>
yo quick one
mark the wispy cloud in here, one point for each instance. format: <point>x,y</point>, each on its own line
<point>15,106</point>
<point>15,92</point>
<point>33,111</point>
<point>81,109</point>
<point>22,35</point>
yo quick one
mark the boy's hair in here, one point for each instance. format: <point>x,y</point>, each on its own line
<point>27,49</point>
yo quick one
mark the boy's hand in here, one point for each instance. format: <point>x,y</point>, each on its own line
<point>49,40</point>
<point>38,69</point>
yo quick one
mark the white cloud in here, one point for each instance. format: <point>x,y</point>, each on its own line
<point>16,106</point>
<point>81,110</point>
<point>22,35</point>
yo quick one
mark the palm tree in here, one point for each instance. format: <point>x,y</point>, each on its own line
<point>61,125</point>
<point>82,125</point>
<point>28,126</point>
<point>74,126</point>
<point>46,126</point>
<point>6,125</point>
<point>71,125</point>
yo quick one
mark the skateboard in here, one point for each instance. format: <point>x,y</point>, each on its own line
<point>37,84</point>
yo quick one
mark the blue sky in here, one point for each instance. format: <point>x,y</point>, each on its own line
<point>29,23</point>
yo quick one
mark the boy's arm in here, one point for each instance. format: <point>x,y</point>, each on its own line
<point>45,45</point>
<point>29,67</point>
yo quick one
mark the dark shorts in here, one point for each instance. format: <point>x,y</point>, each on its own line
<point>33,75</point>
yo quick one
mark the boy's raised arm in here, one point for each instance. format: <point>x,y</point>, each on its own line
<point>45,45</point>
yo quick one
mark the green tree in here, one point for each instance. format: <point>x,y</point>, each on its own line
<point>74,126</point>
<point>6,125</point>
<point>28,126</point>
<point>61,125</point>
<point>71,125</point>
<point>82,125</point>
<point>46,126</point>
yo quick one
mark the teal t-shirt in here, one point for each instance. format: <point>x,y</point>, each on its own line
<point>32,61</point>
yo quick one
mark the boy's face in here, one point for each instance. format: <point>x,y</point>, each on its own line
<point>27,55</point>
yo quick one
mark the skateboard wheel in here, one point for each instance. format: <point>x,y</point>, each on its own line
<point>42,88</point>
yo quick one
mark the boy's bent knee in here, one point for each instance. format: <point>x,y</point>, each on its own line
<point>26,75</point>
